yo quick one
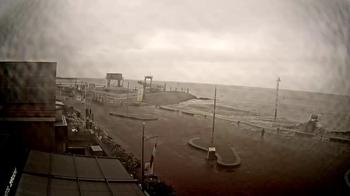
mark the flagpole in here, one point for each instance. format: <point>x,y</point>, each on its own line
<point>151,163</point>
<point>154,154</point>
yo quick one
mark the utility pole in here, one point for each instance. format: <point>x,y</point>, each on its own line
<point>127,100</point>
<point>144,90</point>
<point>142,154</point>
<point>85,103</point>
<point>276,101</point>
<point>213,126</point>
<point>212,150</point>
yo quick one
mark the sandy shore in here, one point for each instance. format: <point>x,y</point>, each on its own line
<point>274,165</point>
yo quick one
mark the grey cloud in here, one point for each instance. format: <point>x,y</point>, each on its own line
<point>230,39</point>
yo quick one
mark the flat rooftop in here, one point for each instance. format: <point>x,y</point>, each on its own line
<point>70,175</point>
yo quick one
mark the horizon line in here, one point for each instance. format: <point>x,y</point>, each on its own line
<point>214,84</point>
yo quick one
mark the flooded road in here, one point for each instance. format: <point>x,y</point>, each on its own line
<point>272,165</point>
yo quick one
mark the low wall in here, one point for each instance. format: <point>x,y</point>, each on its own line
<point>168,109</point>
<point>133,116</point>
<point>222,163</point>
<point>340,140</point>
<point>187,113</point>
<point>304,134</point>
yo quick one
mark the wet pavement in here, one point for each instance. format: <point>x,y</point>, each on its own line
<point>272,165</point>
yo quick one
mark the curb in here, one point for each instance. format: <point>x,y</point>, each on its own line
<point>132,117</point>
<point>205,115</point>
<point>234,164</point>
<point>187,113</point>
<point>271,129</point>
<point>219,160</point>
<point>304,134</point>
<point>168,109</point>
<point>340,140</point>
<point>198,147</point>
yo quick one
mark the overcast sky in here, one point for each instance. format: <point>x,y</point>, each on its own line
<point>235,42</point>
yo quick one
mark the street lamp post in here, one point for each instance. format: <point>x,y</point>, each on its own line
<point>127,100</point>
<point>211,149</point>
<point>142,154</point>
<point>276,101</point>
<point>213,126</point>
